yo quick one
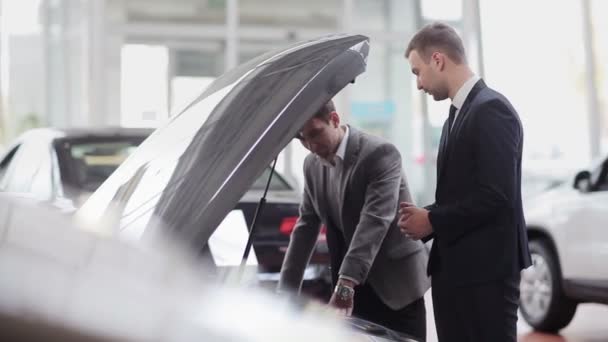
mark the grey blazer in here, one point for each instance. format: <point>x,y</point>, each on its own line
<point>376,252</point>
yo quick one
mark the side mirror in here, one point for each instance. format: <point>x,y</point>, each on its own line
<point>582,181</point>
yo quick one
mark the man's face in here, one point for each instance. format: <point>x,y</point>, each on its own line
<point>322,137</point>
<point>428,74</point>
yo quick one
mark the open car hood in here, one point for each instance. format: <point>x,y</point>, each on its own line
<point>188,175</point>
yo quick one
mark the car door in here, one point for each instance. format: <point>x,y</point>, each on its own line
<point>587,239</point>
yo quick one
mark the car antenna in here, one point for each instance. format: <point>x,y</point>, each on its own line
<point>252,229</point>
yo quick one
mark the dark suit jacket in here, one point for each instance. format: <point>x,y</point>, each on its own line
<point>477,218</point>
<point>370,248</point>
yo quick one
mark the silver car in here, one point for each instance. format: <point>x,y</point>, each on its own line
<point>568,234</point>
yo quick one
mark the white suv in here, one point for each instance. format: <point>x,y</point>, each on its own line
<point>568,234</point>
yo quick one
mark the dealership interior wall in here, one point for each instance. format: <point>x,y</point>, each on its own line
<point>138,62</point>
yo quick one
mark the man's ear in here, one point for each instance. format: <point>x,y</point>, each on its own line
<point>334,118</point>
<point>438,59</point>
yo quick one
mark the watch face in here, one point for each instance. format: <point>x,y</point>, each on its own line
<point>344,292</point>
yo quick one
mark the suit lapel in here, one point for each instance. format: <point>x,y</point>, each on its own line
<point>448,136</point>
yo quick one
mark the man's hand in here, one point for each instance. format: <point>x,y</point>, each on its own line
<point>413,221</point>
<point>343,297</point>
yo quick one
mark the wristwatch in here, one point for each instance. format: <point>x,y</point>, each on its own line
<point>344,293</point>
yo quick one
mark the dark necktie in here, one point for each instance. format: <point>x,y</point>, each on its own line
<point>451,117</point>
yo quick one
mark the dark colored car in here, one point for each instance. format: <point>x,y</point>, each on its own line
<point>190,174</point>
<point>274,226</point>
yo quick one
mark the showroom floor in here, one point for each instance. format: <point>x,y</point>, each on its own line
<point>589,325</point>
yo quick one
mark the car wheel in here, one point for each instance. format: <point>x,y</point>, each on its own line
<point>542,301</point>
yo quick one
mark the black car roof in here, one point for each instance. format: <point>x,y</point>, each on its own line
<point>82,132</point>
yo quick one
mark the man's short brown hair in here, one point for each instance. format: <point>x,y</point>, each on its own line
<point>437,37</point>
<point>324,112</point>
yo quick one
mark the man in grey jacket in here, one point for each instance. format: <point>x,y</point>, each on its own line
<point>353,184</point>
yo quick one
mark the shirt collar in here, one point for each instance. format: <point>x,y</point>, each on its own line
<point>340,152</point>
<point>342,148</point>
<point>464,91</point>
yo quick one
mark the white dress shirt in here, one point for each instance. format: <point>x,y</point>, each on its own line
<point>335,173</point>
<point>338,160</point>
<point>462,95</point>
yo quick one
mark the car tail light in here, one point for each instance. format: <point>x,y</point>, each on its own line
<point>323,234</point>
<point>287,225</point>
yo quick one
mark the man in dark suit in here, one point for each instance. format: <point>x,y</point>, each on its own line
<point>477,225</point>
<point>353,184</point>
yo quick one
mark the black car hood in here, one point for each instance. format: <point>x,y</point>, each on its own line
<point>188,175</point>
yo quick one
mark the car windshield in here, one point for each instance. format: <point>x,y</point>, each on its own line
<point>87,163</point>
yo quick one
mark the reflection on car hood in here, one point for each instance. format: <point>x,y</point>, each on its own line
<point>189,174</point>
<point>60,283</point>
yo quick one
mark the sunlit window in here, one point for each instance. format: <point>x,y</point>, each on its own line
<point>600,34</point>
<point>539,66</point>
<point>144,86</point>
<point>442,10</point>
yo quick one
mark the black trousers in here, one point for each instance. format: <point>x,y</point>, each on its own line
<point>410,320</point>
<point>477,312</point>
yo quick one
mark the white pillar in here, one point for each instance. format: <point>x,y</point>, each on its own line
<point>232,34</point>
<point>97,79</point>
<point>344,99</point>
<point>105,46</point>
<point>471,24</point>
<point>591,70</point>
<point>429,169</point>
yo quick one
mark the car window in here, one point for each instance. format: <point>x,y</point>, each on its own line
<point>276,184</point>
<point>88,163</point>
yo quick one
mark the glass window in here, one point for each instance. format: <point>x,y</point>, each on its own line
<point>192,71</point>
<point>291,14</point>
<point>144,88</point>
<point>442,10</point>
<point>92,162</point>
<point>384,15</point>
<point>182,12</point>
<point>541,70</point>
<point>383,101</point>
<point>277,183</point>
<point>600,47</point>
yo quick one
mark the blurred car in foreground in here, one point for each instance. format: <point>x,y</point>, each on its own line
<point>568,234</point>
<point>189,174</point>
<point>64,166</point>
<point>61,283</point>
